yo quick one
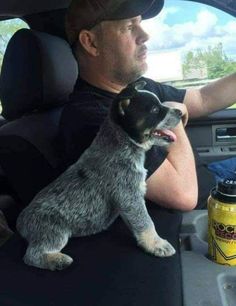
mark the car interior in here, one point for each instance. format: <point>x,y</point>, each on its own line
<point>37,76</point>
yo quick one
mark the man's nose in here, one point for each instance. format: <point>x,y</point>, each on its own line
<point>142,37</point>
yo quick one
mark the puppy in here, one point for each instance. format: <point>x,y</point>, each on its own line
<point>108,180</point>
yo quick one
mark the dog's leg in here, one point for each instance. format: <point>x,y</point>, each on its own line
<point>137,218</point>
<point>45,253</point>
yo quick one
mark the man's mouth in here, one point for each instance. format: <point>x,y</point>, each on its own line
<point>165,134</point>
<point>143,53</point>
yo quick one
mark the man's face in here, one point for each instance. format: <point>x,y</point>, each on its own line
<point>122,50</point>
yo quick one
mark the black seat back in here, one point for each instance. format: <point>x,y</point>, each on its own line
<point>38,74</point>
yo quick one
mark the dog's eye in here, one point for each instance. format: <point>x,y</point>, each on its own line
<point>155,110</point>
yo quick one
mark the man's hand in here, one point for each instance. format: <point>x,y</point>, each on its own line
<point>182,107</point>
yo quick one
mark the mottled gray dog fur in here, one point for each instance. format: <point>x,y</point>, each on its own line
<point>108,180</point>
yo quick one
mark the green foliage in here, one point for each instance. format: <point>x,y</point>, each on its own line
<point>214,59</point>
<point>7,29</point>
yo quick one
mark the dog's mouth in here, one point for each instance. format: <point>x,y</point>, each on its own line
<point>165,134</point>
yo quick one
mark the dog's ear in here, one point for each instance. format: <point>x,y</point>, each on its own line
<point>123,104</point>
<point>131,90</point>
<point>139,85</point>
<point>128,93</point>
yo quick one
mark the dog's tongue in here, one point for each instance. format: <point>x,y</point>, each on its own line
<point>168,133</point>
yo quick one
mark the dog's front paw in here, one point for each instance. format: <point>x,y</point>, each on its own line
<point>152,243</point>
<point>163,248</point>
<point>57,261</point>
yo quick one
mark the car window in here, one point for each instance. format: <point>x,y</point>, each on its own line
<point>191,44</point>
<point>7,29</point>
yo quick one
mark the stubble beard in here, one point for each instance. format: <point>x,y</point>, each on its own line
<point>125,77</point>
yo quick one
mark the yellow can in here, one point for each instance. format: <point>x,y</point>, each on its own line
<point>222,223</point>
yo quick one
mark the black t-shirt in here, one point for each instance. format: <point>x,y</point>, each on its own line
<point>88,107</point>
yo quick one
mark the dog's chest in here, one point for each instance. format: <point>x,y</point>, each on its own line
<point>141,174</point>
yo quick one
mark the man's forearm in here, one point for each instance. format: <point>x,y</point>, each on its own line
<point>219,94</point>
<point>178,174</point>
<point>181,154</point>
<point>182,159</point>
<point>212,97</point>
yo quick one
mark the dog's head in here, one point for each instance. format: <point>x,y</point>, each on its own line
<point>143,117</point>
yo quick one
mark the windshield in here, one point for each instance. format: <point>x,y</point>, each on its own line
<point>190,44</point>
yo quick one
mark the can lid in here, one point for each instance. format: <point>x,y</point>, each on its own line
<point>227,187</point>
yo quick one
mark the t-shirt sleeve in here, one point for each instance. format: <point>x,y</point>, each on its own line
<point>165,92</point>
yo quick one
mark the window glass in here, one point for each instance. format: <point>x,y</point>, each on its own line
<point>190,44</point>
<point>7,29</point>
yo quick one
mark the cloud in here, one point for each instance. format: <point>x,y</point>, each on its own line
<point>205,30</point>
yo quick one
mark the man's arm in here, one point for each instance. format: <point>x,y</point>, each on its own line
<point>174,183</point>
<point>211,97</point>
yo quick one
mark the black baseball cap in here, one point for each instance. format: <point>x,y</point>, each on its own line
<point>85,14</point>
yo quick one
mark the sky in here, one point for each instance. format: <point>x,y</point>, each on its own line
<point>184,26</point>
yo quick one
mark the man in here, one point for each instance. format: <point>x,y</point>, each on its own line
<point>109,44</point>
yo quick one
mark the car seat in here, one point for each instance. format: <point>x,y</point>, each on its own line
<point>38,74</point>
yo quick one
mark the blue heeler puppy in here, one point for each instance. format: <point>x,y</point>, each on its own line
<point>108,180</point>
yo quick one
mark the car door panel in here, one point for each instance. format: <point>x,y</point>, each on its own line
<point>214,137</point>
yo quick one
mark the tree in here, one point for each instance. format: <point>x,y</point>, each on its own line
<point>213,58</point>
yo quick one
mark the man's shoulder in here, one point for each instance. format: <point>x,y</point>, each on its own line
<point>155,85</point>
<point>86,94</point>
<point>84,108</point>
<point>163,91</point>
<point>81,98</point>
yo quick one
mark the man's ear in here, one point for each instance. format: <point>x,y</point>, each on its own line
<point>123,104</point>
<point>88,42</point>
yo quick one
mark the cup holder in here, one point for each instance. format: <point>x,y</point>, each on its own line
<point>227,286</point>
<point>215,284</point>
<point>194,233</point>
<point>201,226</point>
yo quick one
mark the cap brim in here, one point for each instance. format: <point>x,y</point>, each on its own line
<point>146,8</point>
<point>154,9</point>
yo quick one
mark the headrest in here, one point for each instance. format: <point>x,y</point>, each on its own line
<point>39,71</point>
